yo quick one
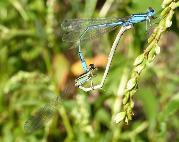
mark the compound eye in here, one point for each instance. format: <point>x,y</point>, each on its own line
<point>92,66</point>
<point>151,9</point>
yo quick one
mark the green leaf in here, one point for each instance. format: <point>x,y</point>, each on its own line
<point>149,102</point>
<point>171,107</point>
<point>89,8</point>
<point>103,116</point>
<point>119,117</point>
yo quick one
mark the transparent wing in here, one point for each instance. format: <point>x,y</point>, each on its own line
<point>46,112</point>
<point>79,24</point>
<point>90,34</point>
<point>41,117</point>
<point>73,29</point>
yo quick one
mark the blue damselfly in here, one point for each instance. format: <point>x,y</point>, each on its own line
<point>76,30</point>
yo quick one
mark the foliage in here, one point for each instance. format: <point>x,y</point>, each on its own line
<point>37,70</point>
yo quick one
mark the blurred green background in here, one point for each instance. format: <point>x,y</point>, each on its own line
<point>36,66</point>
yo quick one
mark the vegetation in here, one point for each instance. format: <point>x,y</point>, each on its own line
<point>140,98</point>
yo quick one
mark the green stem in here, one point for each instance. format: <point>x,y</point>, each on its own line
<point>148,56</point>
<point>66,122</point>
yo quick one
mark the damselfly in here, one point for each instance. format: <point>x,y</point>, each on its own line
<point>76,30</point>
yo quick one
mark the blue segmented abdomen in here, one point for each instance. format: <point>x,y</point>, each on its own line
<point>136,19</point>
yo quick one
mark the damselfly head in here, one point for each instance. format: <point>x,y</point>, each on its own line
<point>92,67</point>
<point>151,12</point>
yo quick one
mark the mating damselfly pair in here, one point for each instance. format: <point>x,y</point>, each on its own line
<point>76,30</point>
